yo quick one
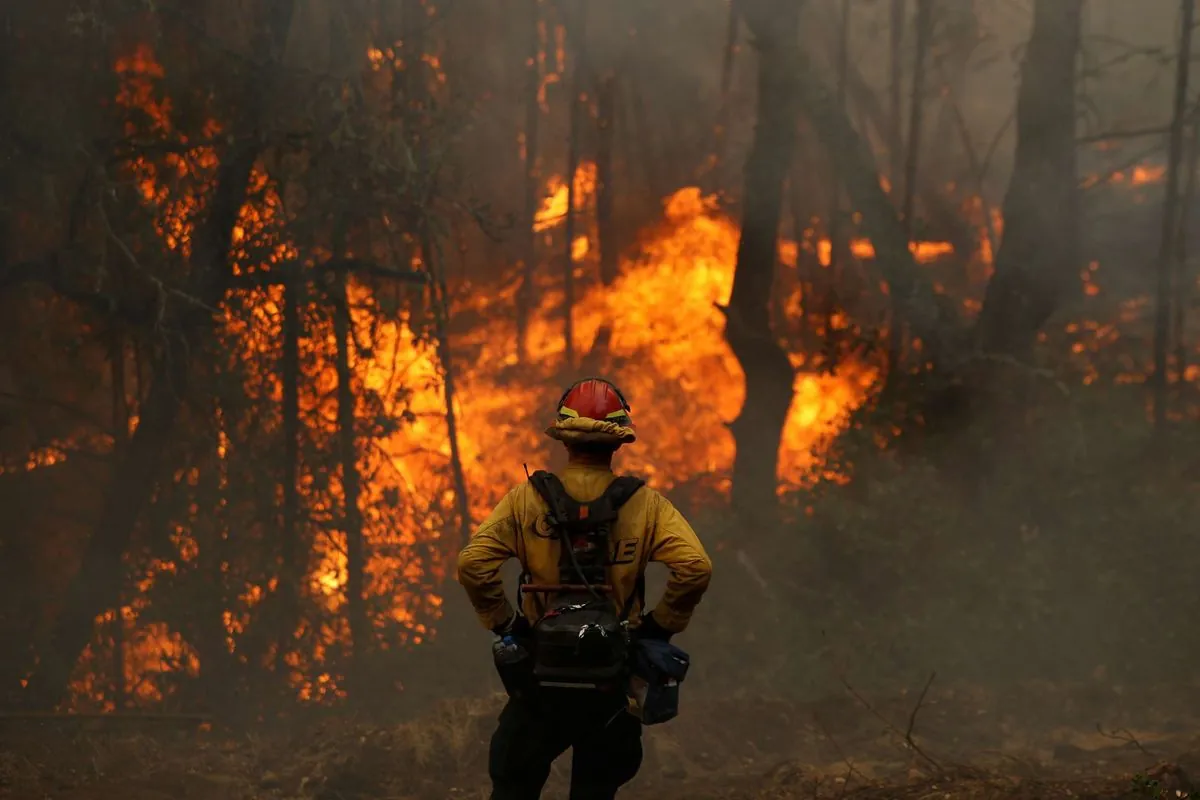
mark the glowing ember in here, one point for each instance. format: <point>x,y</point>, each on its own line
<point>1143,175</point>
<point>862,249</point>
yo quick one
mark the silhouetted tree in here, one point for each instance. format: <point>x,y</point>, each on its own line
<point>1039,254</point>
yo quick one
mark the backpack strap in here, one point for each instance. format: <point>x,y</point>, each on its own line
<point>621,490</point>
<point>564,509</point>
<point>568,515</point>
<point>569,519</point>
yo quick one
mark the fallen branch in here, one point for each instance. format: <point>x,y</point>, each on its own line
<point>1123,735</point>
<point>335,267</point>
<point>907,735</point>
<point>912,718</point>
<point>1108,136</point>
<point>851,770</point>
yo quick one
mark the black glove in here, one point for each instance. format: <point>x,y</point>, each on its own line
<point>517,627</point>
<point>650,629</point>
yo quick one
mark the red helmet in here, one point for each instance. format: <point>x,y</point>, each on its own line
<point>595,398</point>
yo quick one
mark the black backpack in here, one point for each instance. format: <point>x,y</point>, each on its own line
<point>581,640</point>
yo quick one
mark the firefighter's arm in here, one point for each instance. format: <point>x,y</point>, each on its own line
<point>493,543</point>
<point>674,544</point>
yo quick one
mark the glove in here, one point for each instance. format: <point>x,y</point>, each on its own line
<point>650,629</point>
<point>517,627</point>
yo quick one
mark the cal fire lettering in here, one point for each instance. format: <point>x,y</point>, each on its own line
<point>624,551</point>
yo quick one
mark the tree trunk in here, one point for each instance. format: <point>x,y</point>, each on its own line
<point>897,335</point>
<point>916,114</point>
<point>220,669</point>
<point>120,428</point>
<point>1183,292</point>
<point>978,171</point>
<point>1038,257</point>
<point>456,624</point>
<point>347,445</point>
<point>431,256</point>
<point>836,247</point>
<point>896,92</point>
<point>7,213</point>
<point>728,59</point>
<point>767,368</point>
<point>839,236</point>
<point>941,213</point>
<point>643,134</point>
<point>914,301</point>
<point>575,36</point>
<point>291,550</point>
<point>605,185</point>
<point>1170,221</point>
<point>529,160</point>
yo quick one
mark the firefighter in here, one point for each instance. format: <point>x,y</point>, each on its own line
<point>535,727</point>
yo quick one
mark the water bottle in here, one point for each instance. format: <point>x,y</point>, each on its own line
<point>514,665</point>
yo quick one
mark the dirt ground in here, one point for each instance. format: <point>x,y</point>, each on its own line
<point>962,747</point>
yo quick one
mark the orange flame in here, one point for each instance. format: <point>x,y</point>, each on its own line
<point>553,210</point>
<point>664,343</point>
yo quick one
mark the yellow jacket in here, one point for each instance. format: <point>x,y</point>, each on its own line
<point>648,528</point>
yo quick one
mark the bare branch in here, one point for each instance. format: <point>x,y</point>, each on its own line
<point>1136,133</point>
<point>912,718</point>
<point>1123,735</point>
<point>907,736</point>
<point>335,267</point>
<point>161,289</point>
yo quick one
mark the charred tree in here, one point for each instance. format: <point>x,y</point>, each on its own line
<point>605,184</point>
<point>291,549</point>
<point>7,42</point>
<point>768,371</point>
<point>897,334</point>
<point>829,297</point>
<point>838,240</point>
<point>529,161</point>
<point>430,255</point>
<point>916,113</point>
<point>456,623</point>
<point>728,59</point>
<point>649,149</point>
<point>575,24</point>
<point>208,634</point>
<point>1183,287</point>
<point>1170,221</point>
<point>347,455</point>
<point>120,429</point>
<point>874,117</point>
<point>1039,253</point>
<point>896,91</point>
<point>606,230</point>
<point>914,301</point>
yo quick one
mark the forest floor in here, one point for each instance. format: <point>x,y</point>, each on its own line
<point>747,750</point>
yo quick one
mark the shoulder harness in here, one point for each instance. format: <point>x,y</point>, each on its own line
<point>585,528</point>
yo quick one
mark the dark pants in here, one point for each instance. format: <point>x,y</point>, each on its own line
<point>605,739</point>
